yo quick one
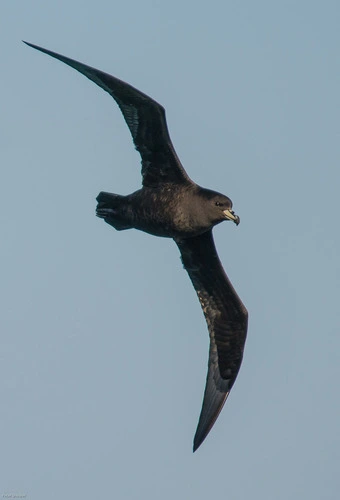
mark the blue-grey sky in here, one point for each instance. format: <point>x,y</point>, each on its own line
<point>103,342</point>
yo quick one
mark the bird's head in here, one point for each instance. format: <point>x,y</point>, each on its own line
<point>223,206</point>
<point>219,207</point>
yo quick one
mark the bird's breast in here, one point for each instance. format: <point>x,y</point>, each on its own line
<point>163,212</point>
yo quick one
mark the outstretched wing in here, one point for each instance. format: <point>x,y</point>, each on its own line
<point>227,320</point>
<point>145,119</point>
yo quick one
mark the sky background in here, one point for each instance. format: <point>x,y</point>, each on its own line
<point>103,343</point>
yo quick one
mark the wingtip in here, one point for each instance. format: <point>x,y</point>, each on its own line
<point>32,45</point>
<point>195,446</point>
<point>198,440</point>
<point>35,46</point>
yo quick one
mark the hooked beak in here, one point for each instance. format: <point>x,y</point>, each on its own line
<point>230,215</point>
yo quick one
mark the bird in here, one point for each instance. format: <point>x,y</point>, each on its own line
<point>171,205</point>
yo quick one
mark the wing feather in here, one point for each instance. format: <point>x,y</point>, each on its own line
<point>145,119</point>
<point>227,321</point>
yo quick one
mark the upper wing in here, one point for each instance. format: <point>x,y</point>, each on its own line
<point>145,119</point>
<point>227,320</point>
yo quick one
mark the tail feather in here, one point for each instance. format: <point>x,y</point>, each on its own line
<point>109,199</point>
<point>110,208</point>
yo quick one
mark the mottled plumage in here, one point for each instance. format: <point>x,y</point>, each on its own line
<point>171,205</point>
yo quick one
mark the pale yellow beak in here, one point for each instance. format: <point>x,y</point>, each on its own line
<point>229,214</point>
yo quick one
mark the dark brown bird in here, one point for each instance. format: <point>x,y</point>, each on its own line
<point>171,205</point>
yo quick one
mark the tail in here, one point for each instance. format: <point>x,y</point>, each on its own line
<point>111,208</point>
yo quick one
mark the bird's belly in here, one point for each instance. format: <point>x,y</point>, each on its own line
<point>165,227</point>
<point>156,228</point>
<point>163,213</point>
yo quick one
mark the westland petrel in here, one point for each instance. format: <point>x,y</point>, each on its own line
<point>171,205</point>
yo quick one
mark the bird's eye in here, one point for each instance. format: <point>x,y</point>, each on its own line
<point>218,203</point>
